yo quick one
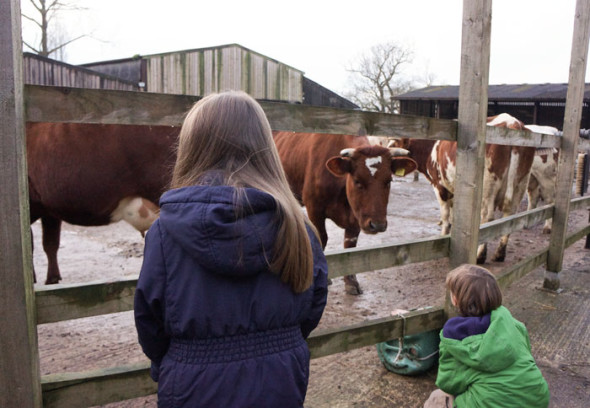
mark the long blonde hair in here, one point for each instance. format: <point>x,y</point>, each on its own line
<point>229,133</point>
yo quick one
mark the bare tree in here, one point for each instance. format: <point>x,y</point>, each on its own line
<point>52,38</point>
<point>378,77</point>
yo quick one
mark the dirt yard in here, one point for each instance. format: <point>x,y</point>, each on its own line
<point>353,379</point>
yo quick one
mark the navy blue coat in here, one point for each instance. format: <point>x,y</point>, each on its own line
<point>220,329</point>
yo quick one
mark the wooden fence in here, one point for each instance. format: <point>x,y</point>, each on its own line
<point>22,308</point>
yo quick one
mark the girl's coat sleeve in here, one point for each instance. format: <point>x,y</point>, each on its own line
<point>149,305</point>
<point>320,287</point>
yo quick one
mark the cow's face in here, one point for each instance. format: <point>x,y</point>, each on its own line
<point>368,171</point>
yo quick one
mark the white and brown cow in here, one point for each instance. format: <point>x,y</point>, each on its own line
<point>543,174</point>
<point>89,174</point>
<point>343,178</point>
<point>506,175</point>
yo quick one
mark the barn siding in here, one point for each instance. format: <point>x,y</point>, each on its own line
<point>201,72</point>
<point>38,70</point>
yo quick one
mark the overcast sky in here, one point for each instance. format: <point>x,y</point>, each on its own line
<point>531,39</point>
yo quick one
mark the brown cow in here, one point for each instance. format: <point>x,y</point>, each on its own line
<point>342,178</point>
<point>88,174</point>
<point>506,175</point>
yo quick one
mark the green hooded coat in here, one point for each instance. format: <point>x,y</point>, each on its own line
<point>492,369</point>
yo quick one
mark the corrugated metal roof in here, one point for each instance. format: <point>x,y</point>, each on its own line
<point>522,92</point>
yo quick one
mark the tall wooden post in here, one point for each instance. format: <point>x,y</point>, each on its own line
<point>20,384</point>
<point>473,108</point>
<point>569,143</point>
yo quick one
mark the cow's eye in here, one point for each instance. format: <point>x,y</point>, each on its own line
<point>358,184</point>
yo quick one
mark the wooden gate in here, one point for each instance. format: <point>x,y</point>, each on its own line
<point>23,308</point>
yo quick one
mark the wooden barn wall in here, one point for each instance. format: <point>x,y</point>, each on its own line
<point>38,71</point>
<point>202,72</point>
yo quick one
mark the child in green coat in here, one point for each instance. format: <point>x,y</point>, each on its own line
<point>485,354</point>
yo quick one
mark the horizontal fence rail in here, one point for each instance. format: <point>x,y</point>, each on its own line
<point>144,108</point>
<point>64,302</point>
<point>98,387</point>
<point>57,104</point>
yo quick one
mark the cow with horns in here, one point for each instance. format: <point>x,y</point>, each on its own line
<point>505,180</point>
<point>343,178</point>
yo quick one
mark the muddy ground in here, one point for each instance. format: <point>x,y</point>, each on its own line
<point>352,379</point>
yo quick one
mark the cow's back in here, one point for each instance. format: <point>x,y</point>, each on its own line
<point>80,172</point>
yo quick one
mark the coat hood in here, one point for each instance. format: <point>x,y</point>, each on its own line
<point>491,351</point>
<point>221,236</point>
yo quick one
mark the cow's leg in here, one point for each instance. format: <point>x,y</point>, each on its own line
<point>351,284</point>
<point>500,253</point>
<point>548,196</point>
<point>51,234</point>
<point>482,253</point>
<point>33,264</point>
<point>533,193</point>
<point>487,214</point>
<point>445,204</point>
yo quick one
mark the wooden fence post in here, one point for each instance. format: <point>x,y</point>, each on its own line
<point>471,132</point>
<point>571,130</point>
<point>20,382</point>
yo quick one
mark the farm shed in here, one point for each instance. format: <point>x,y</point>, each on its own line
<point>38,70</point>
<point>215,69</point>
<point>541,104</point>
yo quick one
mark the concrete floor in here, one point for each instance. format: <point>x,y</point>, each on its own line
<point>559,327</point>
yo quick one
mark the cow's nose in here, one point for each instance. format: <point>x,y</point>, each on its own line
<point>377,226</point>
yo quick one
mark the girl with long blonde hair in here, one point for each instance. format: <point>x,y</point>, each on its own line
<point>234,277</point>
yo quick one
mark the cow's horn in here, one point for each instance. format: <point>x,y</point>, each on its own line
<point>398,151</point>
<point>346,152</point>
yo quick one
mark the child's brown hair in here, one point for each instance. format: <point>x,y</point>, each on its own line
<point>475,289</point>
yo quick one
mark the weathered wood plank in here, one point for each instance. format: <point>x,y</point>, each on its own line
<point>19,356</point>
<point>577,235</point>
<point>505,136</point>
<point>472,117</point>
<point>580,203</point>
<point>60,104</point>
<point>55,104</point>
<point>571,130</point>
<point>507,225</point>
<point>520,269</point>
<point>64,302</point>
<point>99,387</point>
<point>366,259</point>
<point>331,341</point>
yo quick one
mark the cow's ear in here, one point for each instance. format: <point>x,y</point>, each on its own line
<point>400,166</point>
<point>339,166</point>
